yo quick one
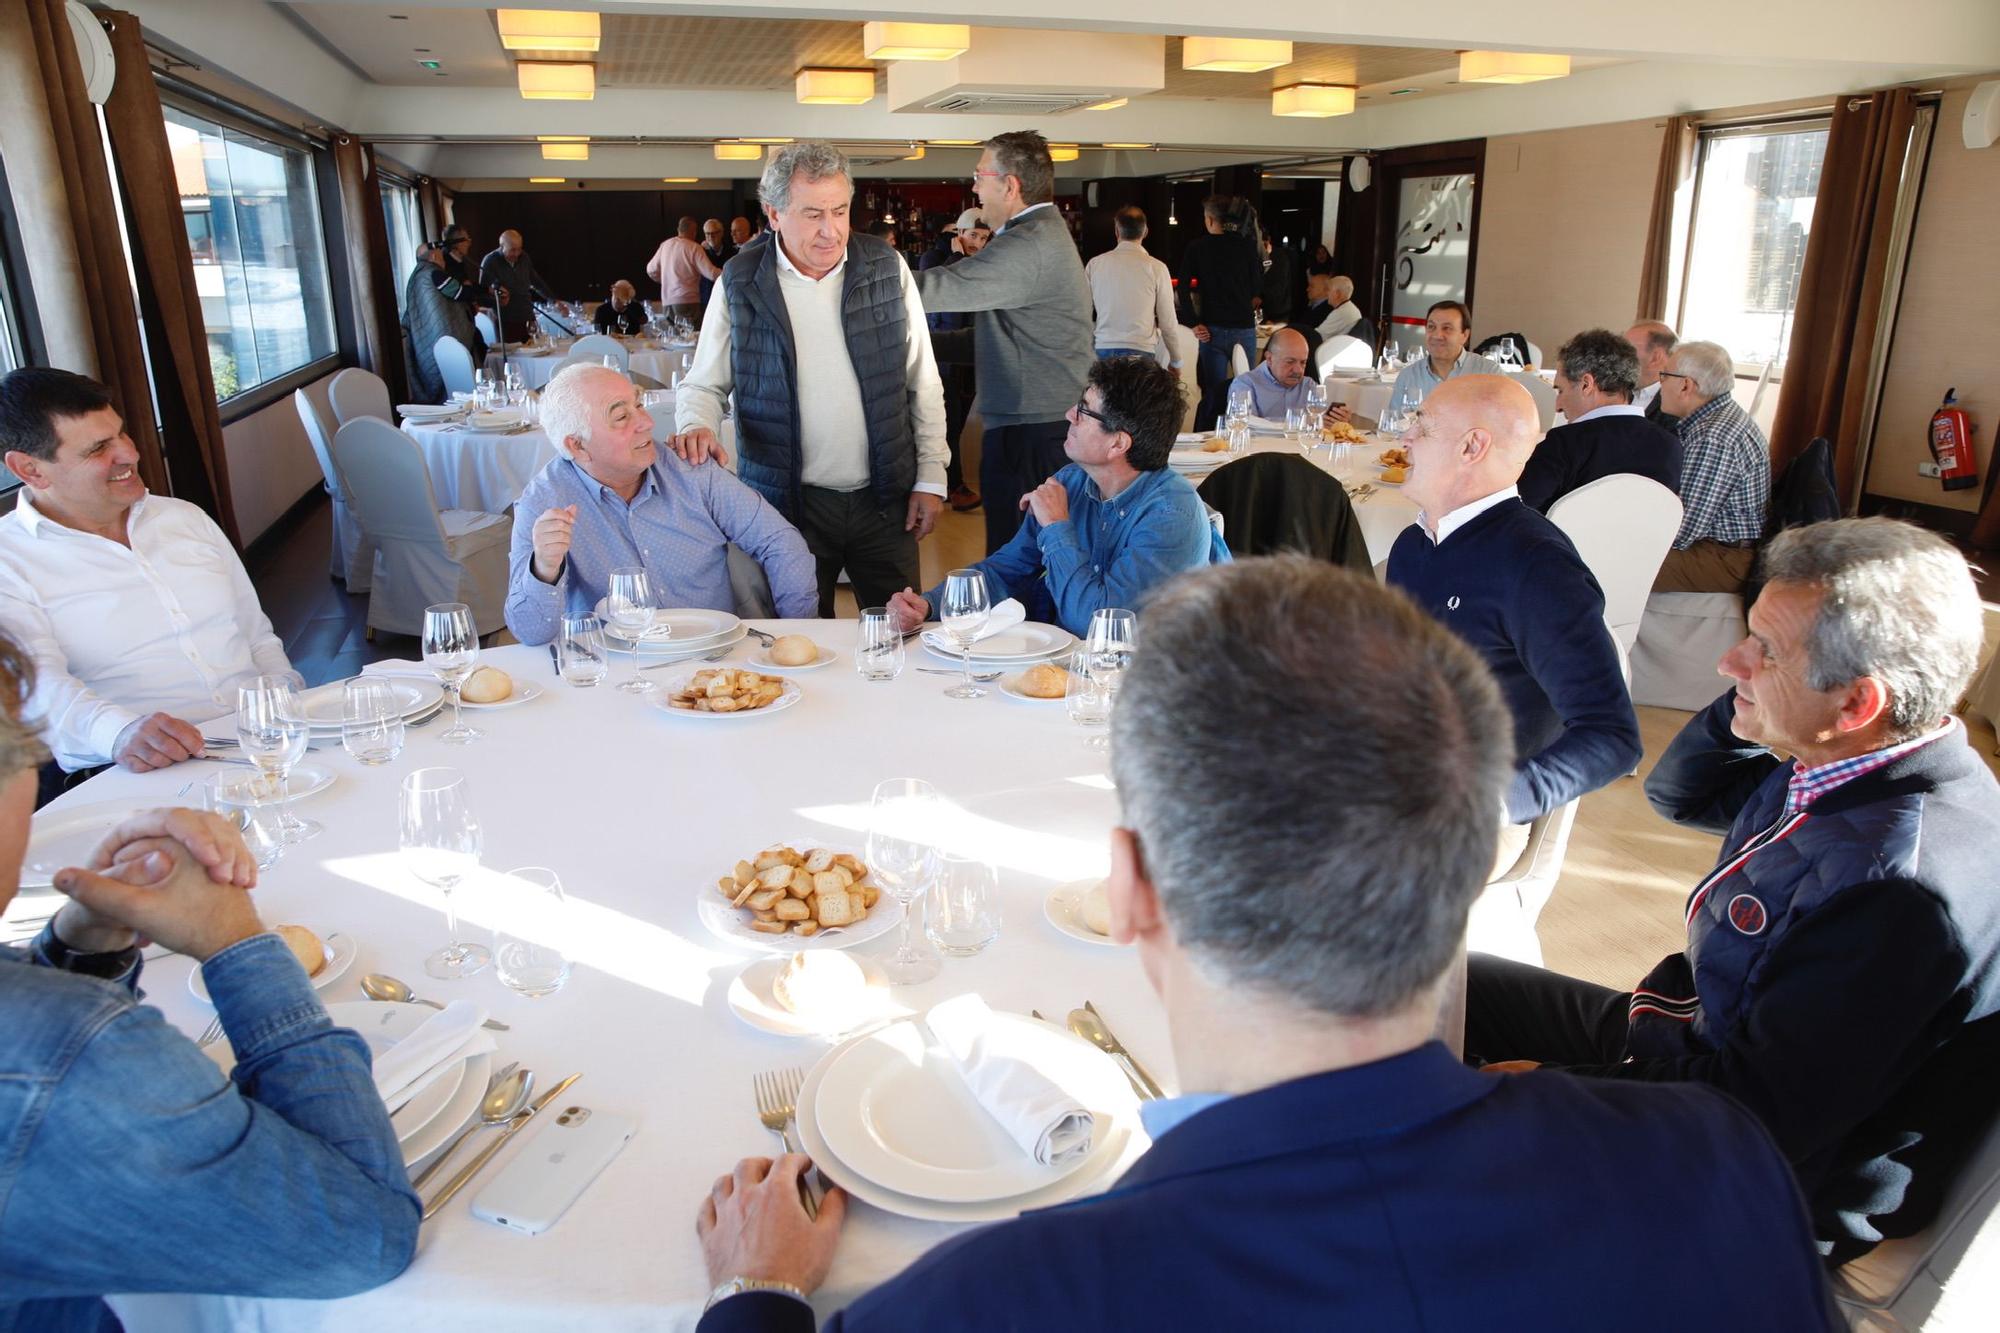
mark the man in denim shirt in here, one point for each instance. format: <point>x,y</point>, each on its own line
<point>128,1163</point>
<point>1115,522</point>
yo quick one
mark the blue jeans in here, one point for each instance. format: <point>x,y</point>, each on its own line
<point>1212,370</point>
<point>1120,353</point>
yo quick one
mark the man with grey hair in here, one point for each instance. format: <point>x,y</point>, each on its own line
<point>1842,974</point>
<point>680,266</point>
<point>1328,1163</point>
<point>1654,342</point>
<point>839,410</point>
<point>1031,328</point>
<point>510,273</point>
<point>1602,434</point>
<point>612,498</point>
<point>1330,308</point>
<point>1725,474</point>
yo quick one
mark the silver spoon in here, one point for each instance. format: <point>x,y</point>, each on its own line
<point>502,1102</point>
<point>377,986</point>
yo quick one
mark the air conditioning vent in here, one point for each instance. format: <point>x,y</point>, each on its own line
<point>975,102</point>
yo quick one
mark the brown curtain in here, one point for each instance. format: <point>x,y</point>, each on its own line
<point>177,336</point>
<point>1841,282</point>
<point>1676,166</point>
<point>371,276</point>
<point>100,250</point>
<point>430,207</point>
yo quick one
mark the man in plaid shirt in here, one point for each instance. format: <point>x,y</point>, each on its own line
<point>1725,474</point>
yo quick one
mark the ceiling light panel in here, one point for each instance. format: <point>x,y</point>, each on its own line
<point>566,152</point>
<point>739,152</point>
<point>548,30</point>
<point>1312,99</point>
<point>1233,55</point>
<point>914,41</point>
<point>835,87</point>
<point>1510,67</point>
<point>561,83</point>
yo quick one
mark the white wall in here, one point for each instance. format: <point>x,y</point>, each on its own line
<point>271,462</point>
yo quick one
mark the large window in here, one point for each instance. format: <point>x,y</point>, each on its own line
<point>1753,210</point>
<point>253,226</point>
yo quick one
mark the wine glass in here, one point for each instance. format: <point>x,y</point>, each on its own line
<point>441,844</point>
<point>1316,405</point>
<point>271,731</point>
<point>1107,646</point>
<point>529,942</point>
<point>963,612</point>
<point>902,851</point>
<point>629,599</point>
<point>451,647</point>
<point>580,652</point>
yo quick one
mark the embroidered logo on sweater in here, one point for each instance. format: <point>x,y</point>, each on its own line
<point>1747,914</point>
<point>1451,603</point>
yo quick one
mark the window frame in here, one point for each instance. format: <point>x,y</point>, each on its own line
<point>22,318</point>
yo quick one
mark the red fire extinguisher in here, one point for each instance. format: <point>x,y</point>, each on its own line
<point>1951,444</point>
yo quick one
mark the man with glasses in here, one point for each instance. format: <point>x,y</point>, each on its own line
<point>1112,524</point>
<point>1031,328</point>
<point>1725,474</point>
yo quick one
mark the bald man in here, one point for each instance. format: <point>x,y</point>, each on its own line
<point>1655,343</point>
<point>1508,582</point>
<point>508,267</point>
<point>1279,383</point>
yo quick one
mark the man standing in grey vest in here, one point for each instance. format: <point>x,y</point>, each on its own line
<point>839,410</point>
<point>1031,325</point>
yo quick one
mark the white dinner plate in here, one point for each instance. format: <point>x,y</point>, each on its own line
<point>789,695</point>
<point>733,923</point>
<point>1119,1139</point>
<point>655,652</point>
<point>411,1118</point>
<point>751,999</point>
<point>493,420</point>
<point>322,705</point>
<point>1064,909</point>
<point>340,953</point>
<point>382,1026</point>
<point>761,661</point>
<point>524,692</point>
<point>681,627</point>
<point>426,411</point>
<point>1009,686</point>
<point>67,837</point>
<point>1023,644</point>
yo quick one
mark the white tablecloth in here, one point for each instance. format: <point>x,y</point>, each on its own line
<point>640,813</point>
<point>1383,513</point>
<point>1364,398</point>
<point>660,363</point>
<point>478,470</point>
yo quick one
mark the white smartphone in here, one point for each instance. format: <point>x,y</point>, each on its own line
<point>552,1169</point>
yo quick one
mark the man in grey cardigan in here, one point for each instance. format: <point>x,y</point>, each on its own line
<point>1031,326</point>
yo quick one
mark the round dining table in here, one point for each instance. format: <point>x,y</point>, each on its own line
<point>640,811</point>
<point>658,361</point>
<point>1379,506</point>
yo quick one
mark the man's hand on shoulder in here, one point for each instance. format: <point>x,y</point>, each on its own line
<point>698,446</point>
<point>157,741</point>
<point>752,1225</point>
<point>923,515</point>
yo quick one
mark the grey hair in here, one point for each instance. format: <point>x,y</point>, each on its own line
<point>1358,909</point>
<point>1708,365</point>
<point>1896,602</point>
<point>20,747</point>
<point>1605,357</point>
<point>1343,284</point>
<point>566,406</point>
<point>816,158</point>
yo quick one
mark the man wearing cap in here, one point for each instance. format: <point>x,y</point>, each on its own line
<point>962,237</point>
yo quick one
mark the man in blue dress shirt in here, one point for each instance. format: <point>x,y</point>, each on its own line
<point>1113,523</point>
<point>616,499</point>
<point>1279,382</point>
<point>1329,1165</point>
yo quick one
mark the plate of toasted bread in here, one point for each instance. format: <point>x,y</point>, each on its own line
<point>798,894</point>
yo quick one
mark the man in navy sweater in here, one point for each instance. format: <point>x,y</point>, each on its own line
<point>1604,433</point>
<point>1511,585</point>
<point>1328,1165</point>
<point>1842,972</point>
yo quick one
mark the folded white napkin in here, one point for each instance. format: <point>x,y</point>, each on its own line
<point>999,620</point>
<point>399,666</point>
<point>447,1037</point>
<point>1049,1125</point>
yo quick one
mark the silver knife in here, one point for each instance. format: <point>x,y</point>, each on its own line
<point>514,1126</point>
<point>1152,1084</point>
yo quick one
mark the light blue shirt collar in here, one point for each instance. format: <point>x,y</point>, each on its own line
<point>1168,1112</point>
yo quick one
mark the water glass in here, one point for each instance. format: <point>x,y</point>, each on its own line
<point>441,842</point>
<point>1088,701</point>
<point>629,599</point>
<point>451,648</point>
<point>271,732</point>
<point>1295,423</point>
<point>903,816</point>
<point>581,658</point>
<point>963,914</point>
<point>1239,438</point>
<point>963,612</point>
<point>238,797</point>
<point>371,720</point>
<point>531,937</point>
<point>1239,402</point>
<point>878,648</point>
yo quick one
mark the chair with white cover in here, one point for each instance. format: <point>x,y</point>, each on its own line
<point>597,346</point>
<point>1534,353</point>
<point>1944,1279</point>
<point>1544,394</point>
<point>423,555</point>
<point>454,365</point>
<point>1343,351</point>
<point>1502,921</point>
<point>359,393</point>
<point>1239,364</point>
<point>1682,636</point>
<point>1187,350</point>
<point>353,559</point>
<point>1622,525</point>
<point>488,331</point>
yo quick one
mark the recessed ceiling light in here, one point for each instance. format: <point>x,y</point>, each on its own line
<point>750,139</point>
<point>1312,99</point>
<point>679,180</point>
<point>739,152</point>
<point>1111,105</point>
<point>954,143</point>
<point>1233,55</point>
<point>566,152</point>
<point>548,180</point>
<point>562,138</point>
<point>1062,152</point>
<point>916,153</point>
<point>548,30</point>
<point>914,41</point>
<point>1128,145</point>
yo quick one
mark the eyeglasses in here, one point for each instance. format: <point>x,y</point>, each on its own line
<point>978,175</point>
<point>1098,417</point>
<point>1674,375</point>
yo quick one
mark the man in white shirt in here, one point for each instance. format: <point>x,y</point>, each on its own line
<point>135,608</point>
<point>1133,294</point>
<point>839,409</point>
<point>1655,343</point>
<point>1330,309</point>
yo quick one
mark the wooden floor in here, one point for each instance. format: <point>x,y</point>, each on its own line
<point>1616,910</point>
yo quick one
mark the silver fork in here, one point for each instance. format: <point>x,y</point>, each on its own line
<point>210,1034</point>
<point>777,1093</point>
<point>977,675</point>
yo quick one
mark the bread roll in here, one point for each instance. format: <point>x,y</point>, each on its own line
<point>488,685</point>
<point>825,981</point>
<point>1215,444</point>
<point>1096,908</point>
<point>1395,475</point>
<point>1045,680</point>
<point>305,947</point>
<point>794,650</point>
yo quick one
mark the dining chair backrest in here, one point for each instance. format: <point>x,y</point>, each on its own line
<point>1274,502</point>
<point>1239,364</point>
<point>388,484</point>
<point>1544,394</point>
<point>483,321</point>
<point>1622,526</point>
<point>1342,352</point>
<point>359,393</point>
<point>597,346</point>
<point>321,438</point>
<point>454,365</point>
<point>1186,350</point>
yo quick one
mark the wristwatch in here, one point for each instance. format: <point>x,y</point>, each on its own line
<point>736,1286</point>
